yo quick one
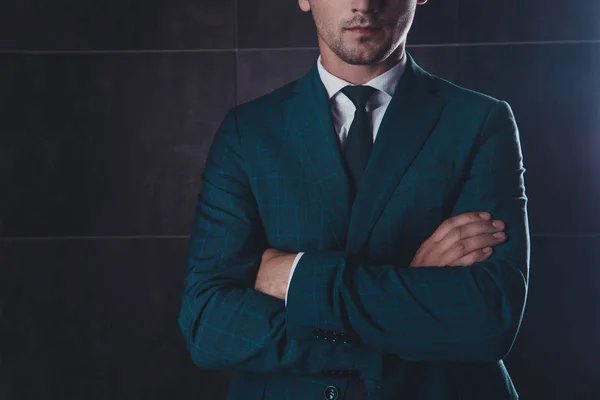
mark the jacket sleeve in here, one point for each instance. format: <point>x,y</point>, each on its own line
<point>464,313</point>
<point>227,324</point>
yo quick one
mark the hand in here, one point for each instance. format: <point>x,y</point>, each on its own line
<point>460,241</point>
<point>274,273</point>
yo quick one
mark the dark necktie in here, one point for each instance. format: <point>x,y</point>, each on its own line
<point>357,150</point>
<point>359,142</point>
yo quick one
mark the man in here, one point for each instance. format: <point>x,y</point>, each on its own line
<point>342,244</point>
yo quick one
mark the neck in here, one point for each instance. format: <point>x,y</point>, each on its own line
<point>358,74</point>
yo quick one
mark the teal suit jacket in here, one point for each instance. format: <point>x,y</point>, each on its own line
<point>274,177</point>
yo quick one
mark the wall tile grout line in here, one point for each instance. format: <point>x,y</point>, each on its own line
<point>236,49</point>
<point>531,42</point>
<point>236,55</point>
<point>124,51</point>
<point>57,238</point>
<point>566,235</point>
<point>235,25</point>
<point>149,237</point>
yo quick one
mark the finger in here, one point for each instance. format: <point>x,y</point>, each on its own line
<point>463,232</point>
<point>469,245</point>
<point>458,220</point>
<point>473,257</point>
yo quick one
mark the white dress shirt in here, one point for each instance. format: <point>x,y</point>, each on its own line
<point>342,108</point>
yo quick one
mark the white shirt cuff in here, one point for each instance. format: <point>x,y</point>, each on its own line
<point>292,273</point>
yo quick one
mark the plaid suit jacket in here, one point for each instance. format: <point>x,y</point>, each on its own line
<point>275,177</point>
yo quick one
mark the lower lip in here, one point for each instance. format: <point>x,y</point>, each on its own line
<point>364,31</point>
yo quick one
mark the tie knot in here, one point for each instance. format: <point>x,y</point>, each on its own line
<point>359,94</point>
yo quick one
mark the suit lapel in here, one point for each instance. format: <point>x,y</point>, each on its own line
<point>310,126</point>
<point>407,123</point>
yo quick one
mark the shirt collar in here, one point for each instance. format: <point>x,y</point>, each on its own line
<point>385,82</point>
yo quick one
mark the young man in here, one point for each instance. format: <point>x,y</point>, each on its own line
<point>342,244</point>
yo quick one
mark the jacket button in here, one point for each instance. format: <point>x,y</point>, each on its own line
<point>331,393</point>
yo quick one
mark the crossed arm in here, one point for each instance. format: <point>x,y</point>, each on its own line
<point>427,313</point>
<point>459,241</point>
<point>226,323</point>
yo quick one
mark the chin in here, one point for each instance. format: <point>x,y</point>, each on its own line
<point>364,58</point>
<point>362,61</point>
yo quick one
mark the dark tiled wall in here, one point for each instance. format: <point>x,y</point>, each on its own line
<point>107,110</point>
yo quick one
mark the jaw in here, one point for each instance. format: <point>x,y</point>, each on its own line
<point>358,49</point>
